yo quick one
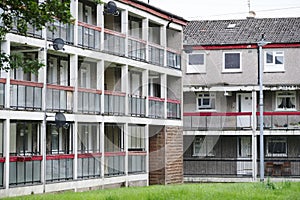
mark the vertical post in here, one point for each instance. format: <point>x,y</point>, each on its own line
<point>261,106</point>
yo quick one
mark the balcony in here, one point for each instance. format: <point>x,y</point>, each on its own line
<point>137,49</point>
<point>156,54</point>
<point>31,30</point>
<point>26,95</point>
<point>136,162</point>
<point>89,101</point>
<point>156,107</point>
<point>204,121</point>
<point>59,98</point>
<point>59,167</point>
<point>114,103</point>
<point>174,109</point>
<point>63,31</point>
<point>281,120</point>
<point>173,59</point>
<point>137,106</point>
<point>89,165</point>
<point>114,42</point>
<point>114,163</point>
<point>24,170</point>
<point>89,36</point>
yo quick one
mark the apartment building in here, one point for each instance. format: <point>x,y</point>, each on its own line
<point>221,99</point>
<point>104,111</point>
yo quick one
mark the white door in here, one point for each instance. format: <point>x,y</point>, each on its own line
<point>244,102</point>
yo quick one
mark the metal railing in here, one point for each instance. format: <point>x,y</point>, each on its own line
<point>59,167</point>
<point>63,31</point>
<point>2,161</point>
<point>217,121</point>
<point>281,120</point>
<point>136,49</point>
<point>156,55</point>
<point>136,162</point>
<point>26,95</point>
<point>89,36</point>
<point>137,106</point>
<point>89,165</point>
<point>174,109</point>
<point>114,103</point>
<point>114,163</point>
<point>217,167</point>
<point>114,42</point>
<point>59,98</point>
<point>89,101</point>
<point>24,170</point>
<point>173,59</point>
<point>156,107</point>
<point>31,30</point>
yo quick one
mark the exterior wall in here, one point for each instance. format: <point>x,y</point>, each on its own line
<point>166,160</point>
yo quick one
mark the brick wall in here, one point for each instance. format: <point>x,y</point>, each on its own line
<point>166,159</point>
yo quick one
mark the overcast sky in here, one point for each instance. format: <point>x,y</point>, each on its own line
<point>228,9</point>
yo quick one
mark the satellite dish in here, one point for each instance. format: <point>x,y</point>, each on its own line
<point>60,120</point>
<point>58,44</point>
<point>111,8</point>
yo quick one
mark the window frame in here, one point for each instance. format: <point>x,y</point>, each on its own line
<point>197,68</point>
<point>204,146</point>
<point>230,70</point>
<point>277,140</point>
<point>212,100</point>
<point>273,67</point>
<point>283,95</point>
<point>136,137</point>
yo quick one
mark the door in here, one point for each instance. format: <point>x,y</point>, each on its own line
<point>244,102</point>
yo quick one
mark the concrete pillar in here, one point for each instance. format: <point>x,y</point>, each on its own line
<point>6,145</point>
<point>145,89</point>
<point>74,79</point>
<point>145,35</point>
<point>124,86</point>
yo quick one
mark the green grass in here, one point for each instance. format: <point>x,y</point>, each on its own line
<point>205,191</point>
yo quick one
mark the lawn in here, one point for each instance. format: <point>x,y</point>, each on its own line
<point>268,190</point>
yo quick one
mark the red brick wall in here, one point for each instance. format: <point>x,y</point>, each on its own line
<point>166,156</point>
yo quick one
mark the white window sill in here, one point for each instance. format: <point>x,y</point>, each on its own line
<point>225,71</point>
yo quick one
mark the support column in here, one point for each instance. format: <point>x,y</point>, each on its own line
<point>100,82</point>
<point>5,48</point>
<point>6,153</point>
<point>254,137</point>
<point>75,149</point>
<point>74,80</point>
<point>147,150</point>
<point>145,35</point>
<point>125,131</point>
<point>124,86</point>
<point>145,90</point>
<point>163,85</point>
<point>102,139</point>
<point>124,27</point>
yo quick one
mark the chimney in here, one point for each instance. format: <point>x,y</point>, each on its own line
<point>251,15</point>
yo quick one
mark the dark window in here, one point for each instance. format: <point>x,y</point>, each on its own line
<point>196,59</point>
<point>232,61</point>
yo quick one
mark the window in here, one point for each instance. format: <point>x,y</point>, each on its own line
<point>59,140</point>
<point>276,146</point>
<point>24,138</point>
<point>204,145</point>
<point>286,100</point>
<point>244,147</point>
<point>232,62</point>
<point>274,61</point>
<point>88,138</point>
<point>205,101</point>
<point>114,141</point>
<point>196,63</point>
<point>136,137</point>
<point>58,70</point>
<point>1,140</point>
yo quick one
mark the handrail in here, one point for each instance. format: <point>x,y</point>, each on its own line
<point>60,156</point>
<point>86,25</point>
<point>217,114</point>
<point>26,83</point>
<point>95,91</point>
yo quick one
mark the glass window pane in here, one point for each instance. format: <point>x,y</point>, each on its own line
<point>232,61</point>
<point>196,59</point>
<point>269,57</point>
<point>279,60</point>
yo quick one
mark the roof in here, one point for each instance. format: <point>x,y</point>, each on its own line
<point>155,11</point>
<point>242,31</point>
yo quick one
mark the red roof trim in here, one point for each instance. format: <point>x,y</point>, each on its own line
<point>242,46</point>
<point>154,12</point>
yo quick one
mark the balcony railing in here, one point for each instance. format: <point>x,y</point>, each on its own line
<point>24,170</point>
<point>2,92</point>
<point>156,107</point>
<point>26,95</point>
<point>173,59</point>
<point>63,31</point>
<point>217,167</point>
<point>136,162</point>
<point>59,167</point>
<point>89,36</point>
<point>114,42</point>
<point>114,103</point>
<point>137,106</point>
<point>156,55</point>
<point>136,49</point>
<point>89,165</point>
<point>281,120</point>
<point>31,30</point>
<point>174,109</point>
<point>217,121</point>
<point>114,163</point>
<point>60,98</point>
<point>89,101</point>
